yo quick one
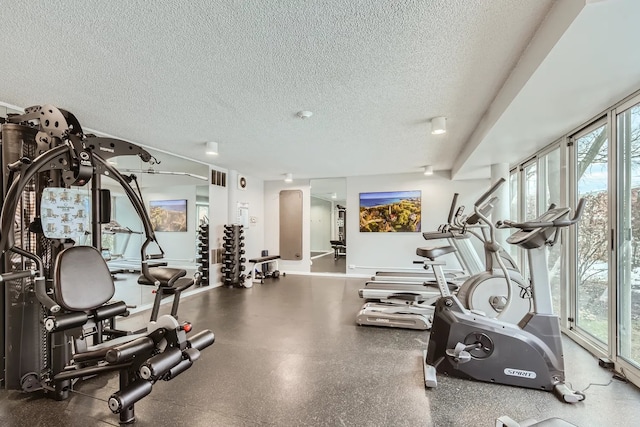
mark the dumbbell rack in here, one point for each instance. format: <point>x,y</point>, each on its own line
<point>203,253</point>
<point>232,259</point>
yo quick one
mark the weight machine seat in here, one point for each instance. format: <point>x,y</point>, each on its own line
<point>433,253</point>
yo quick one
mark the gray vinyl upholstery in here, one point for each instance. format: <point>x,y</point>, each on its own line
<point>82,280</point>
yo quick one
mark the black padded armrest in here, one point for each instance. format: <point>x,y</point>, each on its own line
<point>118,308</point>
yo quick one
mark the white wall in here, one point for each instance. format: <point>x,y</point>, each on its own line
<point>367,252</point>
<point>218,213</point>
<point>253,194</point>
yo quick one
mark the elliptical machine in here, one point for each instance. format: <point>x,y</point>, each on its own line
<point>528,354</point>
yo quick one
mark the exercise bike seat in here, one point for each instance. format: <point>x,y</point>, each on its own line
<point>435,252</point>
<point>168,278</point>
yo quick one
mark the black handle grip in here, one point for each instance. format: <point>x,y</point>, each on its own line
<point>6,277</point>
<point>492,190</point>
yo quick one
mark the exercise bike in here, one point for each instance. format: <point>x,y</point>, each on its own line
<point>527,354</point>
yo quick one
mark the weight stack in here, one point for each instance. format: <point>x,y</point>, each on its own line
<point>232,259</point>
<point>203,253</point>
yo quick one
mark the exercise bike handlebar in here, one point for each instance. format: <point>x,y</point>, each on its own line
<point>489,192</point>
<point>529,225</point>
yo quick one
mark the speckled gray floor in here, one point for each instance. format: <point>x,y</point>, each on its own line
<point>328,264</point>
<point>288,353</point>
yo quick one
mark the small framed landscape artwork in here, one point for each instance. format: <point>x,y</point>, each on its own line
<point>168,215</point>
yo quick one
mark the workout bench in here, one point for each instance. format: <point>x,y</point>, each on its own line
<point>339,248</point>
<point>265,260</point>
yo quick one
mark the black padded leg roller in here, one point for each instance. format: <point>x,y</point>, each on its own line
<point>202,340</point>
<point>158,365</point>
<point>128,396</point>
<point>126,351</point>
<point>178,369</point>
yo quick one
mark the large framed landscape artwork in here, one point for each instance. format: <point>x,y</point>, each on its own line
<point>391,211</point>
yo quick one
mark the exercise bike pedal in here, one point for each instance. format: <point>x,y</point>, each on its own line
<point>567,395</point>
<point>460,353</point>
<point>430,379</point>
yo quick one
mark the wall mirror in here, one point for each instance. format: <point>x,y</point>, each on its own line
<point>172,178</point>
<point>328,225</point>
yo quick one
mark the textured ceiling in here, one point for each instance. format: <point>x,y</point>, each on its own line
<point>173,75</point>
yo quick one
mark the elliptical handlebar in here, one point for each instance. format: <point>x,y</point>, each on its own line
<point>454,202</point>
<point>529,225</point>
<point>489,192</point>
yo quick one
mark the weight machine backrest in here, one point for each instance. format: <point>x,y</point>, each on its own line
<point>82,280</point>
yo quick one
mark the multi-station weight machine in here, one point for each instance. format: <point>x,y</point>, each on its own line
<point>57,319</point>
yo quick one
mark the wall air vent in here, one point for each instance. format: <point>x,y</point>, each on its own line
<point>218,178</point>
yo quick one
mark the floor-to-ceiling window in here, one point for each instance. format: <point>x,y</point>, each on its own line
<point>514,179</point>
<point>530,190</point>
<point>597,288</point>
<point>628,232</point>
<point>541,187</point>
<point>549,193</point>
<point>591,158</point>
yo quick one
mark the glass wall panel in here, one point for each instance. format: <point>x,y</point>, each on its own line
<point>513,208</point>
<point>628,131</point>
<point>592,269</point>
<point>549,191</point>
<point>531,191</point>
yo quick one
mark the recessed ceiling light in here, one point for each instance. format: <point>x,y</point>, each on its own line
<point>304,114</point>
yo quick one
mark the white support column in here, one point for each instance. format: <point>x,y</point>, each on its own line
<point>232,186</point>
<point>501,210</point>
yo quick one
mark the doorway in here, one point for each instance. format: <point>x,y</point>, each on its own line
<point>328,226</point>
